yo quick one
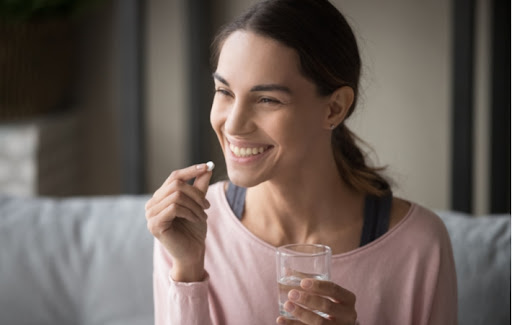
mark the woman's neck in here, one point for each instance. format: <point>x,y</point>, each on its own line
<point>312,206</point>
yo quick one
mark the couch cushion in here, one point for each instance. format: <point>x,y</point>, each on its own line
<point>75,261</point>
<point>481,247</point>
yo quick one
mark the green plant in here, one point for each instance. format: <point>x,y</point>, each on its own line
<point>43,9</point>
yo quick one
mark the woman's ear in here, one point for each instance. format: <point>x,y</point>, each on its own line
<point>339,105</point>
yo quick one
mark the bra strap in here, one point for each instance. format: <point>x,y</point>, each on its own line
<point>236,199</point>
<point>377,212</point>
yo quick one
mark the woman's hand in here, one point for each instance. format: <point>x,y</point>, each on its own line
<point>175,216</point>
<point>323,296</point>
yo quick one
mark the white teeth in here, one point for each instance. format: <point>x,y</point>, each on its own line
<point>246,152</point>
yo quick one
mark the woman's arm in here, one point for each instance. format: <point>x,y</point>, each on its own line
<point>177,302</point>
<point>444,305</point>
<point>176,218</point>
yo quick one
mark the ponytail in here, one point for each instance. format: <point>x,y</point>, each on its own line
<point>352,165</point>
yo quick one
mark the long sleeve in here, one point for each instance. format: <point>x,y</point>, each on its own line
<point>177,303</point>
<point>444,304</point>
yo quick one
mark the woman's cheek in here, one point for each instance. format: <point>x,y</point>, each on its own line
<point>215,117</point>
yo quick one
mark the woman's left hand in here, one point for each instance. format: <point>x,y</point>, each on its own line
<point>323,296</point>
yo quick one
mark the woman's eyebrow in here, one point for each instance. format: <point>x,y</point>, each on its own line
<point>264,87</point>
<point>219,78</point>
<point>272,87</point>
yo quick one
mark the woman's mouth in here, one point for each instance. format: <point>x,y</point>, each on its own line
<point>242,152</point>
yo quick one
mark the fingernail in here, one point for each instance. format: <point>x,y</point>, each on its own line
<point>294,295</point>
<point>306,283</point>
<point>201,166</point>
<point>281,320</point>
<point>289,307</point>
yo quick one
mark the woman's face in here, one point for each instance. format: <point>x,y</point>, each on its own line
<point>269,119</point>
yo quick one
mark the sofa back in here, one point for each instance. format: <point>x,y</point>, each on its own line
<point>481,249</point>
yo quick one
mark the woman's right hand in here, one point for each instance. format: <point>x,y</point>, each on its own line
<point>175,216</point>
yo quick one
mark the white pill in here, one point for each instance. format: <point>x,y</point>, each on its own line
<point>210,166</point>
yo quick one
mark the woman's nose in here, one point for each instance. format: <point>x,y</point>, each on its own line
<point>239,119</point>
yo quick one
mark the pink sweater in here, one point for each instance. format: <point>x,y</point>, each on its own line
<point>407,276</point>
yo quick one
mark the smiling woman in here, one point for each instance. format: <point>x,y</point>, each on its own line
<point>286,77</point>
<point>269,105</point>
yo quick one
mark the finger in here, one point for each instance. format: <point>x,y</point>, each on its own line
<point>187,173</point>
<point>202,181</point>
<point>179,198</point>
<point>315,302</point>
<point>286,321</point>
<point>179,186</point>
<point>304,315</point>
<point>176,211</point>
<point>328,289</point>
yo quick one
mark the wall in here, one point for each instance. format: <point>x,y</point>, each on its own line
<point>404,113</point>
<point>166,124</point>
<point>97,101</point>
<point>98,91</point>
<point>481,154</point>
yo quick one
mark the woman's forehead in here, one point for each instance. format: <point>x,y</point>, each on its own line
<point>249,55</point>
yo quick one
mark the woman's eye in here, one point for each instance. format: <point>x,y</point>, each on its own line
<point>266,100</point>
<point>223,92</point>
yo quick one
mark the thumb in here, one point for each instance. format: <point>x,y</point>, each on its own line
<point>202,181</point>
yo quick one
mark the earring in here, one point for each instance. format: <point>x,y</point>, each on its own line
<point>332,126</point>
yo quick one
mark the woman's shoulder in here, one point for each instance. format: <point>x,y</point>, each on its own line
<point>420,223</point>
<point>399,210</point>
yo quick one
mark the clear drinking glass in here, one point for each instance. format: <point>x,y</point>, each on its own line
<point>298,261</point>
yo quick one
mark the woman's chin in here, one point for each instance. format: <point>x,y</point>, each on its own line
<point>243,179</point>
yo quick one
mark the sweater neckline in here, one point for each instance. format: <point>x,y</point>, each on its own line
<point>382,240</point>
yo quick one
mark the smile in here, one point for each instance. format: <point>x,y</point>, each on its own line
<point>247,151</point>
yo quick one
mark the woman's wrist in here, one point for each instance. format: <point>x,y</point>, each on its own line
<point>188,272</point>
<point>188,275</point>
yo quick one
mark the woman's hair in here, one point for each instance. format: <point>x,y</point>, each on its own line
<point>329,57</point>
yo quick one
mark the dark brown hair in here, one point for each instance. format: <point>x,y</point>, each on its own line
<point>329,57</point>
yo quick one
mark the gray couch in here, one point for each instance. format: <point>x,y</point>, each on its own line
<point>89,261</point>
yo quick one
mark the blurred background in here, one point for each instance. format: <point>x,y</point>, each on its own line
<point>111,97</point>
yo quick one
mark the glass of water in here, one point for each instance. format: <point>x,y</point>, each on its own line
<point>296,262</point>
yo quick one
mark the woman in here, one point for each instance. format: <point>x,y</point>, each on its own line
<point>286,79</point>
